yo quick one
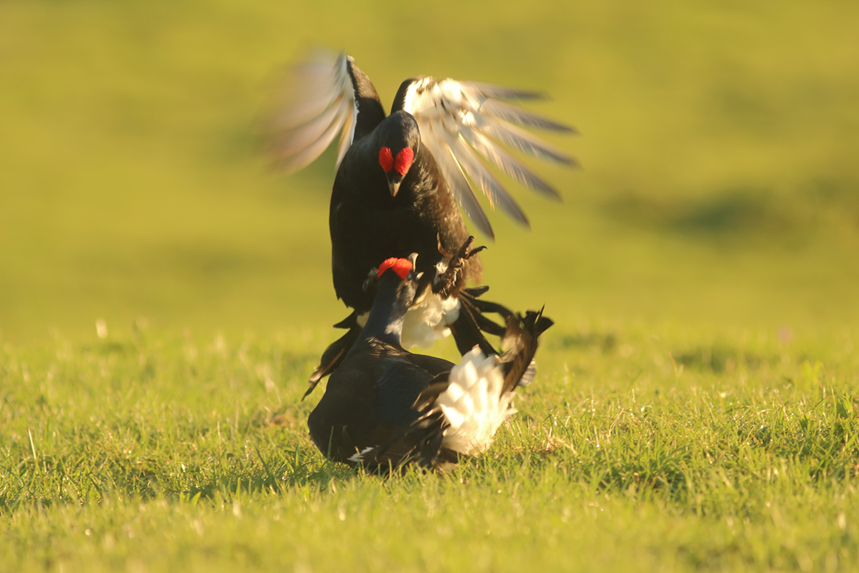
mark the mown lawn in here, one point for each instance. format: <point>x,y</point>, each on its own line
<point>696,406</point>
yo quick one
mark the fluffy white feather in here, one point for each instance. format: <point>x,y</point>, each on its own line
<point>428,319</point>
<point>473,404</point>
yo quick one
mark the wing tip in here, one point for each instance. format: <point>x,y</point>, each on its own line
<point>487,232</point>
<point>570,129</point>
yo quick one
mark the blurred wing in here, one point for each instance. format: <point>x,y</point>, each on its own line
<point>462,122</point>
<point>318,98</point>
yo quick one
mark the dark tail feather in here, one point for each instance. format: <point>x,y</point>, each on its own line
<point>468,329</point>
<point>520,340</point>
<point>334,354</point>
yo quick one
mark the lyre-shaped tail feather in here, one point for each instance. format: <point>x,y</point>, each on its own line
<point>468,330</point>
<point>520,346</point>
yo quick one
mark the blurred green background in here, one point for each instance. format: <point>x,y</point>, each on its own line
<point>720,184</point>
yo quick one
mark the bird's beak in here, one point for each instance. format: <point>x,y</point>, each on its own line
<point>394,187</point>
<point>394,180</point>
<point>414,259</point>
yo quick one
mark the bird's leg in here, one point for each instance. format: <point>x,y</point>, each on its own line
<point>441,248</point>
<point>444,283</point>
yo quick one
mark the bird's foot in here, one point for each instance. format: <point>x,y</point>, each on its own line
<point>445,282</point>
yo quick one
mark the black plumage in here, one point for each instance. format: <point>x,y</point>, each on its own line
<point>380,405</point>
<point>368,224</point>
<point>400,178</point>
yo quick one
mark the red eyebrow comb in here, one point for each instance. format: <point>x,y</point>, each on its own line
<point>400,266</point>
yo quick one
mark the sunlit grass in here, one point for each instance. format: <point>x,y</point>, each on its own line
<point>664,450</point>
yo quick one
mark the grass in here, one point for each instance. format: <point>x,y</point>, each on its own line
<point>696,406</point>
<point>155,452</point>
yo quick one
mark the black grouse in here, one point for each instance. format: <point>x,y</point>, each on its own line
<point>398,182</point>
<point>384,406</point>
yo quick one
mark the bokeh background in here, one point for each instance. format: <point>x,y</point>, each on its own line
<point>719,182</point>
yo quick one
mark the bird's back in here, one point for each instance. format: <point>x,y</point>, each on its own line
<point>369,397</point>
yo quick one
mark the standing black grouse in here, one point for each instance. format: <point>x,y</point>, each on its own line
<point>398,182</point>
<point>385,406</point>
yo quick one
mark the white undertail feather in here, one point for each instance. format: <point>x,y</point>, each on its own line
<point>428,319</point>
<point>473,404</point>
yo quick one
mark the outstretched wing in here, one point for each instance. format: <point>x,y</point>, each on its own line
<point>317,98</point>
<point>461,122</point>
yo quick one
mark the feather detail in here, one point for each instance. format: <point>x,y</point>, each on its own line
<point>428,320</point>
<point>435,139</point>
<point>316,99</point>
<point>461,122</point>
<point>473,404</point>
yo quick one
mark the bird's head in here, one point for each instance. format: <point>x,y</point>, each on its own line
<point>399,143</point>
<point>400,272</point>
<point>395,283</point>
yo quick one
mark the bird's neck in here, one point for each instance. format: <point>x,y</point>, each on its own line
<point>385,322</point>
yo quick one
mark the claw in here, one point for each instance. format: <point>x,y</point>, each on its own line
<point>448,279</point>
<point>441,249</point>
<point>475,251</point>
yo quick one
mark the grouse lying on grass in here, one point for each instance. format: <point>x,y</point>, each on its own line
<point>399,179</point>
<point>384,406</point>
